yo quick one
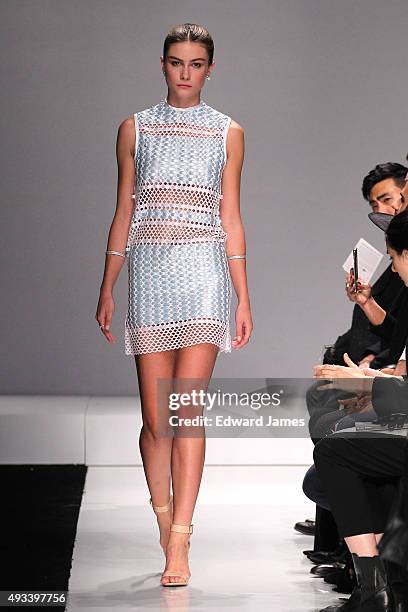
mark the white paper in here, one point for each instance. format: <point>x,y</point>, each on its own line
<point>368,260</point>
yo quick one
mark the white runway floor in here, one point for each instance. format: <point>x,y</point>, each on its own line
<point>245,554</point>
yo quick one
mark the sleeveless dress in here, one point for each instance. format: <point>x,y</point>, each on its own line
<point>179,285</point>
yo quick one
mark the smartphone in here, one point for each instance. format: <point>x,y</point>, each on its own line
<point>355,268</point>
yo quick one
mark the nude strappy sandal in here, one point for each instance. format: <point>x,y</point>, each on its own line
<point>158,509</point>
<point>183,578</point>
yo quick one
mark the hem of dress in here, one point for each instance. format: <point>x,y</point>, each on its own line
<point>224,344</point>
<point>222,349</point>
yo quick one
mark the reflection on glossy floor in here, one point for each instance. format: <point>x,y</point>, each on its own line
<point>244,553</point>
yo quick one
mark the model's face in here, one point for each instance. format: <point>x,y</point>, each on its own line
<point>399,263</point>
<point>385,197</point>
<point>186,68</point>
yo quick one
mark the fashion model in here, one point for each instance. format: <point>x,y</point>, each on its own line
<point>183,240</point>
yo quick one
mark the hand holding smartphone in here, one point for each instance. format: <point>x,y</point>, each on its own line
<point>355,268</point>
<point>368,261</point>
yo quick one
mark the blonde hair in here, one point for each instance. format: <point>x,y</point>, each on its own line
<point>191,32</point>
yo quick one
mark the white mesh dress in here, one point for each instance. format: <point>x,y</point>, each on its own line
<point>179,281</point>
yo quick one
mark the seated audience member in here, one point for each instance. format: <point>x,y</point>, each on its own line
<point>334,410</point>
<point>364,343</point>
<point>355,468</point>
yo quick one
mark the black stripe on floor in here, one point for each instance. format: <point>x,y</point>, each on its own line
<point>39,509</point>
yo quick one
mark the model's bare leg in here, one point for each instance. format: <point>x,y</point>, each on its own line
<point>155,448</point>
<point>188,452</point>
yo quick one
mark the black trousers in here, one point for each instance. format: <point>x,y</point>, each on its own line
<point>313,488</point>
<point>360,475</point>
<point>318,404</point>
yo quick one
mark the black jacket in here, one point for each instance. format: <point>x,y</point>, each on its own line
<point>361,340</point>
<point>394,328</point>
<point>390,395</point>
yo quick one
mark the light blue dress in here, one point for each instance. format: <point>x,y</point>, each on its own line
<point>179,291</point>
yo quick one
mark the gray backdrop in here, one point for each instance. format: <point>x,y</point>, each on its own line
<point>320,88</point>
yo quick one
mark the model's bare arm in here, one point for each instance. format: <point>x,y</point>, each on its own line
<point>232,224</point>
<point>230,209</point>
<point>120,225</point>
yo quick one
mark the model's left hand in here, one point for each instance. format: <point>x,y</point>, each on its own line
<point>244,325</point>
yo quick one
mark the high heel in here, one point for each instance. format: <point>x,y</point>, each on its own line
<point>184,578</point>
<point>159,509</point>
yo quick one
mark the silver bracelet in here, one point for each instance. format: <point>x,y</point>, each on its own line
<point>236,256</point>
<point>115,253</point>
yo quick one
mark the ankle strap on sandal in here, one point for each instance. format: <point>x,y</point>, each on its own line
<point>161,508</point>
<point>181,528</point>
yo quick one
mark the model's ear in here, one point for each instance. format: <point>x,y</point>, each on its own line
<point>405,254</point>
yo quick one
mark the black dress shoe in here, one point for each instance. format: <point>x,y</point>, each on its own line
<point>327,557</point>
<point>354,600</point>
<point>345,584</point>
<point>345,579</point>
<point>306,528</point>
<point>324,569</point>
<point>334,577</point>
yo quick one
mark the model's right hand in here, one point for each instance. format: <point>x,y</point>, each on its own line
<point>363,293</point>
<point>104,314</point>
